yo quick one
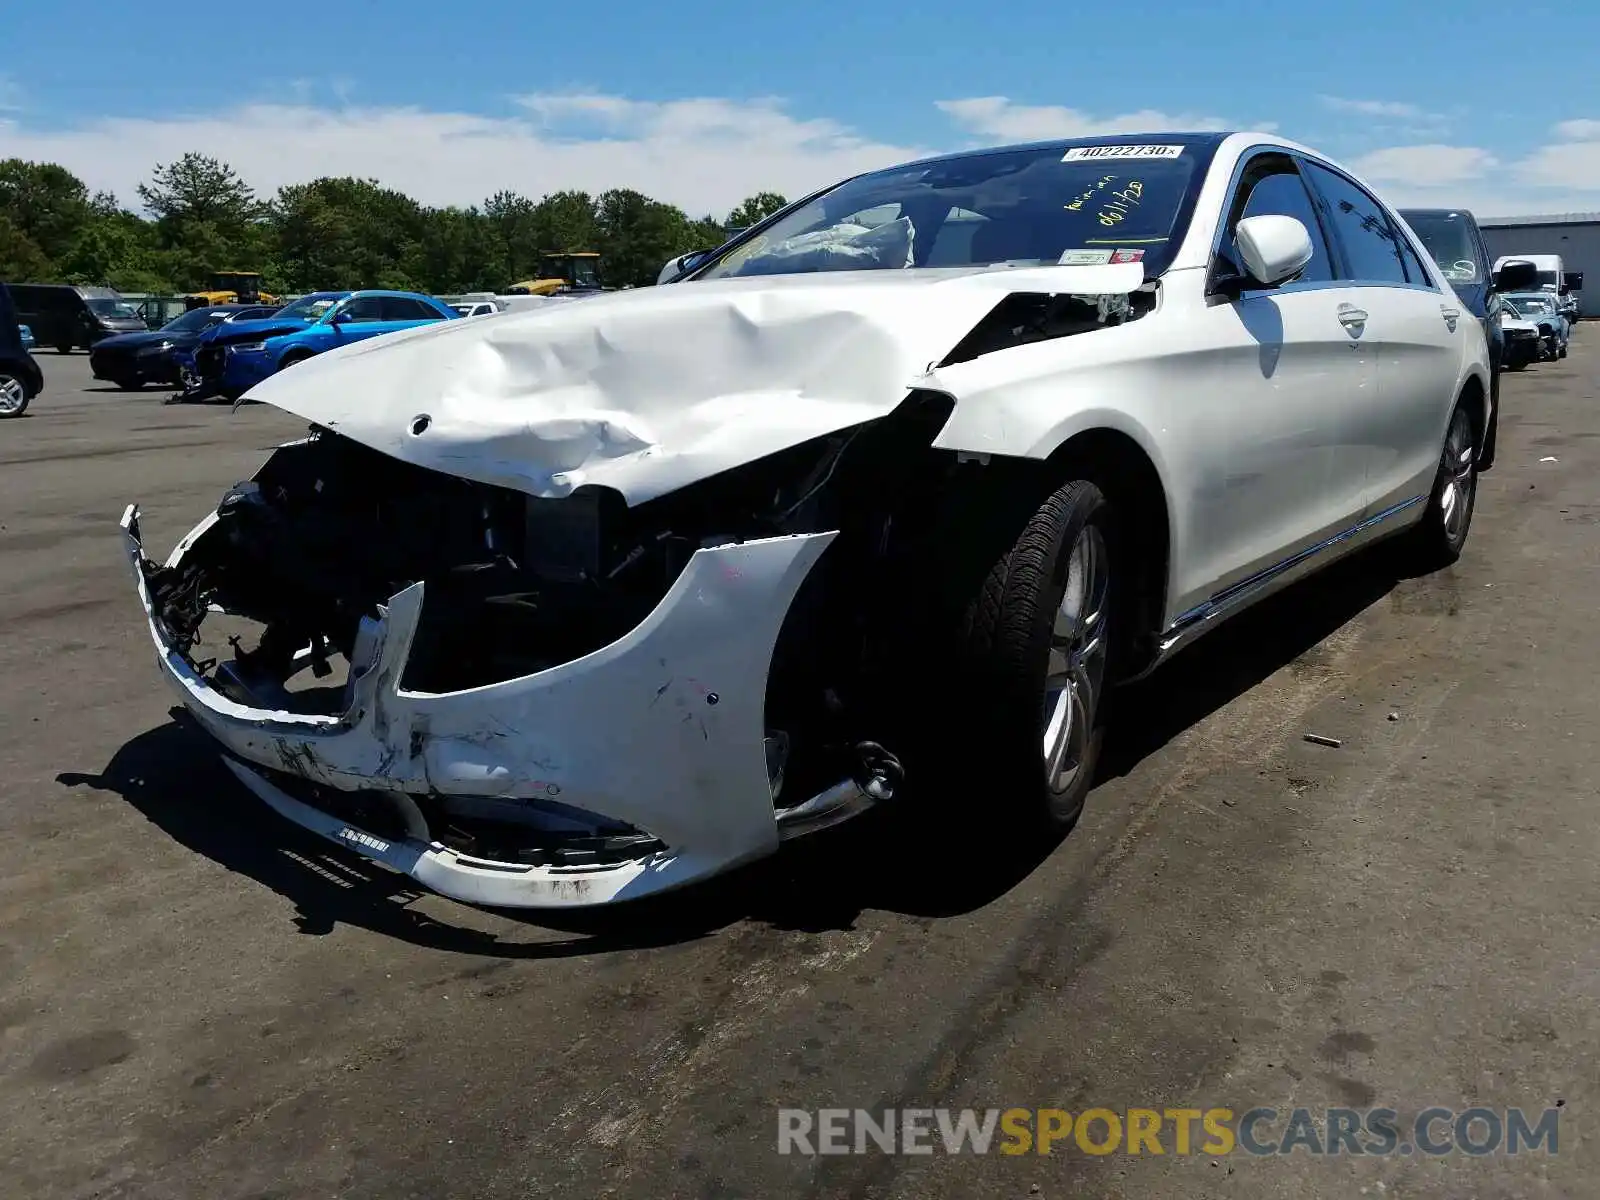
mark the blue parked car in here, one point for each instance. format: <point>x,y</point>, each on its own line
<point>231,359</point>
<point>1544,310</point>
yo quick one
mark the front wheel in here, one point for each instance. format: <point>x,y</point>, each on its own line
<point>63,347</point>
<point>1438,539</point>
<point>1030,661</point>
<point>13,397</point>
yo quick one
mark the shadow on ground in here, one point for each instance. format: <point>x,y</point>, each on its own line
<point>916,858</point>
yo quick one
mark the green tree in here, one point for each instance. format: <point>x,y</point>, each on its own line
<point>513,227</point>
<point>21,260</point>
<point>120,249</point>
<point>639,234</point>
<point>198,188</point>
<point>456,252</point>
<point>755,208</point>
<point>206,217</point>
<point>46,207</point>
<point>567,221</point>
<point>347,233</point>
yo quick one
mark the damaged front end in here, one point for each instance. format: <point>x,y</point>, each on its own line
<point>527,701</point>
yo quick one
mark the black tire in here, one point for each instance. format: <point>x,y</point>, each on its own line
<point>294,358</point>
<point>1003,654</point>
<point>1492,438</point>
<point>1438,539</point>
<point>63,347</point>
<point>130,385</point>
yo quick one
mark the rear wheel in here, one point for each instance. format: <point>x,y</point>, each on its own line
<point>63,347</point>
<point>1030,661</point>
<point>1438,539</point>
<point>13,396</point>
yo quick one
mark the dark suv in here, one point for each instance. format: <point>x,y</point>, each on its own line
<point>1453,238</point>
<point>66,316</point>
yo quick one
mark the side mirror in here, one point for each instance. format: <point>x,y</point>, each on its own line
<point>681,265</point>
<point>1517,276</point>
<point>342,317</point>
<point>1274,248</point>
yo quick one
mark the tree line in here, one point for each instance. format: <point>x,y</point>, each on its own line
<point>328,233</point>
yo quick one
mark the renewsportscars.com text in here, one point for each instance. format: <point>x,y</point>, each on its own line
<point>1209,1131</point>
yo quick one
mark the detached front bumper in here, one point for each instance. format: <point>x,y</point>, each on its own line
<point>661,729</point>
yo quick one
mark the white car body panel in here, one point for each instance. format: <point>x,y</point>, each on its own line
<point>1283,433</point>
<point>648,390</point>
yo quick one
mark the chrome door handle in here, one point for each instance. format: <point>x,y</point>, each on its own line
<point>1350,315</point>
<point>1450,315</point>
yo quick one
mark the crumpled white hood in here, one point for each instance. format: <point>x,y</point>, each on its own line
<point>650,389</point>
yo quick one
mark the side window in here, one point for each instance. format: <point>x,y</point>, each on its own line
<point>1416,269</point>
<point>364,308</point>
<point>1374,250</point>
<point>401,308</point>
<point>1272,186</point>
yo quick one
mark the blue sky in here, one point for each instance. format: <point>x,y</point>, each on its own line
<point>701,103</point>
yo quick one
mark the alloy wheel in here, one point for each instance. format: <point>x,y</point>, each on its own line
<point>1460,479</point>
<point>12,395</point>
<point>1077,659</point>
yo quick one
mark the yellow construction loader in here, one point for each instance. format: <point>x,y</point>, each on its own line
<point>578,271</point>
<point>230,287</point>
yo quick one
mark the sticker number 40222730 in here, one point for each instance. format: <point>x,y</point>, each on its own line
<point>1081,153</point>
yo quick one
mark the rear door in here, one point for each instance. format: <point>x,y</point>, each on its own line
<point>1290,367</point>
<point>1419,328</point>
<point>405,312</point>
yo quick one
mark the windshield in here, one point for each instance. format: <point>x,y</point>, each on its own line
<point>585,273</point>
<point>1532,305</point>
<point>111,308</point>
<point>195,319</point>
<point>1449,242</point>
<point>308,308</point>
<point>1550,281</point>
<point>1088,205</point>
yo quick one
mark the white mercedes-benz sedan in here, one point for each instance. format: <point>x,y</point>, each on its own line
<point>587,602</point>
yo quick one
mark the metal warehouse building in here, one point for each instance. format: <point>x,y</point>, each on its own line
<point>1574,236</point>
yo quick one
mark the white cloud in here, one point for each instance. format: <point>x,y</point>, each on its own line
<point>996,118</point>
<point>1388,109</point>
<point>1574,166</point>
<point>704,154</point>
<point>1582,130</point>
<point>1426,166</point>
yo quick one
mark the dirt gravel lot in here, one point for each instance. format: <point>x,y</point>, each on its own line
<point>197,1000</point>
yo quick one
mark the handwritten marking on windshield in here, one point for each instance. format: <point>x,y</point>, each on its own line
<point>1122,203</point>
<point>1088,195</point>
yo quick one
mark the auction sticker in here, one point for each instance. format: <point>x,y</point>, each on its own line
<point>1084,258</point>
<point>1127,256</point>
<point>1081,153</point>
